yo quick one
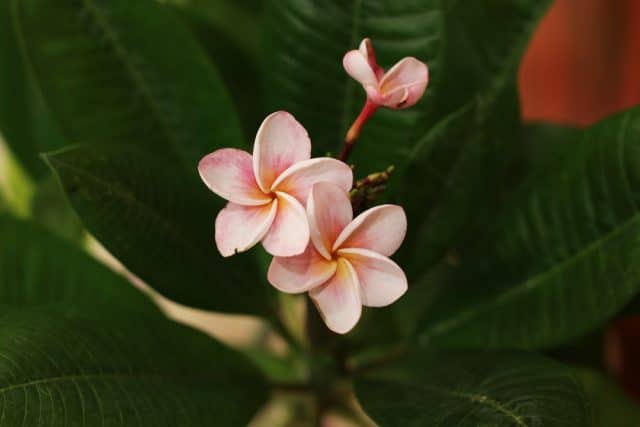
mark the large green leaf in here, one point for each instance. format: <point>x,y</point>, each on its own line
<point>56,371</point>
<point>40,270</point>
<point>126,72</point>
<point>472,49</point>
<point>159,226</point>
<point>50,207</point>
<point>475,389</point>
<point>239,21</point>
<point>231,33</point>
<point>24,121</point>
<point>563,255</point>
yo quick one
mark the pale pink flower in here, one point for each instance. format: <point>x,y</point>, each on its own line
<point>267,192</point>
<point>346,264</point>
<point>400,87</point>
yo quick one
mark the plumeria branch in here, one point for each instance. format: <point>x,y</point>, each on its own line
<point>366,190</point>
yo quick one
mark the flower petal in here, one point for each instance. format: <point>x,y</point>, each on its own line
<point>339,299</point>
<point>366,49</point>
<point>229,173</point>
<point>329,212</point>
<point>281,141</point>
<point>404,97</point>
<point>239,227</point>
<point>357,66</point>
<point>300,273</point>
<point>299,178</point>
<point>382,281</point>
<point>403,85</point>
<point>289,233</point>
<point>380,229</point>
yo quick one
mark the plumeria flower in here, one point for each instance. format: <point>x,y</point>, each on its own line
<point>400,87</point>
<point>346,264</point>
<point>267,192</point>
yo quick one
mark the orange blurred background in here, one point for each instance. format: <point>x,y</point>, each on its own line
<point>582,65</point>
<point>583,62</point>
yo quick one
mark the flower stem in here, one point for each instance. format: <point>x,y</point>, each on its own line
<point>354,131</point>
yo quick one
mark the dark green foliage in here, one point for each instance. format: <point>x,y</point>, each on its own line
<point>519,237</point>
<point>56,371</point>
<point>468,389</point>
<point>159,224</point>
<point>40,270</point>
<point>561,258</point>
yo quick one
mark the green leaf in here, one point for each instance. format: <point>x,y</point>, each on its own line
<point>40,270</point>
<point>231,34</point>
<point>50,207</point>
<point>239,21</point>
<point>159,226</point>
<point>562,256</point>
<point>24,121</point>
<point>126,72</point>
<point>611,408</point>
<point>472,50</point>
<point>475,389</point>
<point>57,371</point>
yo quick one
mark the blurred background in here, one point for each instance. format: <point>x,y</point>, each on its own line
<point>582,65</point>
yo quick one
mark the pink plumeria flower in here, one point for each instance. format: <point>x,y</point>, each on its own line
<point>267,192</point>
<point>400,87</point>
<point>346,264</point>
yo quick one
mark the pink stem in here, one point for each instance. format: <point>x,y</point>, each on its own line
<point>354,131</point>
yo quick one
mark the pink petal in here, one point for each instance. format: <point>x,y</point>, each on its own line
<point>300,273</point>
<point>329,212</point>
<point>229,173</point>
<point>339,299</point>
<point>289,233</point>
<point>366,49</point>
<point>299,178</point>
<point>403,85</point>
<point>239,227</point>
<point>357,66</point>
<point>380,229</point>
<point>381,280</point>
<point>374,95</point>
<point>281,142</point>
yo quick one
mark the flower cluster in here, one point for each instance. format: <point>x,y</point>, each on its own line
<point>299,208</point>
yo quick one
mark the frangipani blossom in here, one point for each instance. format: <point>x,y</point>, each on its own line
<point>267,192</point>
<point>400,87</point>
<point>346,264</point>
